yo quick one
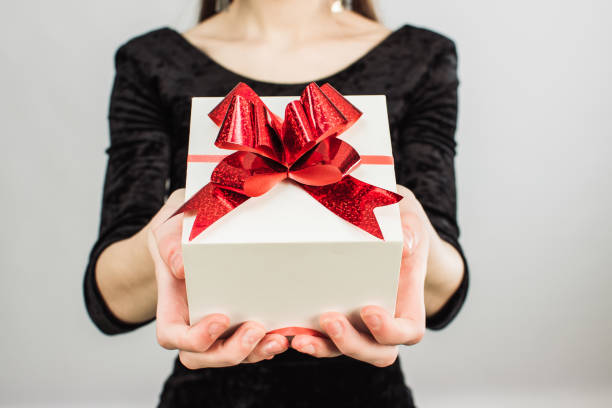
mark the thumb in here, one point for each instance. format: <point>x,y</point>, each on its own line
<point>174,201</point>
<point>167,233</point>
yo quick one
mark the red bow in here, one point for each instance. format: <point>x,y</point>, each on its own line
<point>303,148</point>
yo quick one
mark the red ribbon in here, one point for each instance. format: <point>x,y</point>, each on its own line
<point>303,148</point>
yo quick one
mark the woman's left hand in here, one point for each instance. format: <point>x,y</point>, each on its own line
<point>407,327</point>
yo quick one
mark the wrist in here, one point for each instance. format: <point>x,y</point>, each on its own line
<point>139,246</point>
<point>434,276</point>
<point>444,274</point>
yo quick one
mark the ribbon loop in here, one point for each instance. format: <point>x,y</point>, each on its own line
<point>248,126</point>
<point>325,117</point>
<point>248,173</point>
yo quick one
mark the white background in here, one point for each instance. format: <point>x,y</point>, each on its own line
<point>533,171</point>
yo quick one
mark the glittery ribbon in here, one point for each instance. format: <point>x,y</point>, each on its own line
<point>303,147</point>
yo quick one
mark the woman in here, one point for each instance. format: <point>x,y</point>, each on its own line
<point>135,273</point>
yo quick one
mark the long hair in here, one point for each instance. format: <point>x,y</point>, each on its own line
<point>363,7</point>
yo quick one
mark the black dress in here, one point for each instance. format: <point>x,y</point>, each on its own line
<point>157,73</point>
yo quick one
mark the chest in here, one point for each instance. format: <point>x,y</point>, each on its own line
<point>288,64</point>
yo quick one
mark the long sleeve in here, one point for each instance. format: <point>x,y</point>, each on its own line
<point>136,173</point>
<point>425,160</point>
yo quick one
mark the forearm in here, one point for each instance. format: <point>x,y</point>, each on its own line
<point>445,271</point>
<point>126,278</point>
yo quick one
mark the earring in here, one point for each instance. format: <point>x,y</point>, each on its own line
<point>340,5</point>
<point>221,5</point>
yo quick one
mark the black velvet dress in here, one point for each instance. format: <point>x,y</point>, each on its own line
<point>157,73</point>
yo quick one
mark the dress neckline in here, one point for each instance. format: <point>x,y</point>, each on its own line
<point>242,78</point>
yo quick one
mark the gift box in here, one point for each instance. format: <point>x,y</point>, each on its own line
<point>279,236</point>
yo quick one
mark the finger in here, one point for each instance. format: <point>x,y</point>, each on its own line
<point>315,346</point>
<point>269,346</point>
<point>226,352</point>
<point>168,238</point>
<point>390,330</point>
<point>197,338</point>
<point>410,303</point>
<point>172,317</point>
<point>355,344</point>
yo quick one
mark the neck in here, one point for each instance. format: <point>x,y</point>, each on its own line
<point>278,19</point>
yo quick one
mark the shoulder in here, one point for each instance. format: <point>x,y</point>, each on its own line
<point>147,46</point>
<point>426,57</point>
<point>424,42</point>
<point>420,68</point>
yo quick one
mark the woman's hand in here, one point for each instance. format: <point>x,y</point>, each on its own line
<point>198,345</point>
<point>407,327</point>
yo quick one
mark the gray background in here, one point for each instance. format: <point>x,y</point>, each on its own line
<point>533,172</point>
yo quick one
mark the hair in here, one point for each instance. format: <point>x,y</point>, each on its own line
<point>363,7</point>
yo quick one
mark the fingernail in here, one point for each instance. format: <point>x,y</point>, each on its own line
<point>250,337</point>
<point>333,328</point>
<point>308,349</point>
<point>272,347</point>
<point>215,328</point>
<point>409,240</point>
<point>175,261</point>
<point>372,320</point>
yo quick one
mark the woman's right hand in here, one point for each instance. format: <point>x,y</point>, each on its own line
<point>198,345</point>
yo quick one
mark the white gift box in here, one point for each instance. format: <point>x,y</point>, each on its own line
<point>282,258</point>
